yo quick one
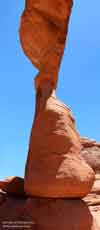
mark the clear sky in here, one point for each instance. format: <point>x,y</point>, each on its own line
<point>79,81</point>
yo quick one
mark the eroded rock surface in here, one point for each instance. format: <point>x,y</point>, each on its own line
<point>48,214</point>
<point>91,153</point>
<point>55,167</point>
<point>43,31</point>
<point>13,185</point>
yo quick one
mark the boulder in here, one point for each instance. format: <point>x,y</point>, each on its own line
<point>13,185</point>
<point>55,167</point>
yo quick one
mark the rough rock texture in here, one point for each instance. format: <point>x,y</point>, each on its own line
<point>93,200</point>
<point>54,166</point>
<point>96,185</point>
<point>91,153</point>
<point>13,185</point>
<point>43,30</point>
<point>49,214</point>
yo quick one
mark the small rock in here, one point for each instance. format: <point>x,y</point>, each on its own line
<point>13,185</point>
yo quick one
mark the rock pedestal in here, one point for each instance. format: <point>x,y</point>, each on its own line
<point>44,214</point>
<point>54,167</point>
<point>22,212</point>
<point>55,170</point>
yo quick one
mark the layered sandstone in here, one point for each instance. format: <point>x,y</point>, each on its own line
<point>48,214</point>
<point>13,185</point>
<point>24,212</point>
<point>91,153</point>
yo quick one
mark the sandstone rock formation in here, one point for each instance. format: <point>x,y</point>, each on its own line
<point>54,167</point>
<point>48,214</point>
<point>13,185</point>
<point>43,30</point>
<point>91,153</point>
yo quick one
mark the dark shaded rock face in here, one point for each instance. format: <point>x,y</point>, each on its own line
<point>91,153</point>
<point>13,185</point>
<point>48,214</point>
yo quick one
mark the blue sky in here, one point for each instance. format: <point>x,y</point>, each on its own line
<point>78,87</point>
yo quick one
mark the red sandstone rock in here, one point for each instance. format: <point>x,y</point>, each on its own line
<point>43,31</point>
<point>54,166</point>
<point>48,214</point>
<point>13,185</point>
<point>89,142</point>
<point>91,153</point>
<point>96,185</point>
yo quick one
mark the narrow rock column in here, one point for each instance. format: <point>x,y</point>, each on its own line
<point>54,167</point>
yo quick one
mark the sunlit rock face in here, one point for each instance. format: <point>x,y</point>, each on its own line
<point>43,31</point>
<point>54,167</point>
<point>91,153</point>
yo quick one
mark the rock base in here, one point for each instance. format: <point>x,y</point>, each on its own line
<point>55,167</point>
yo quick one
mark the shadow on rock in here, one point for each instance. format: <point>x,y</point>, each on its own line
<point>60,214</point>
<point>46,214</point>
